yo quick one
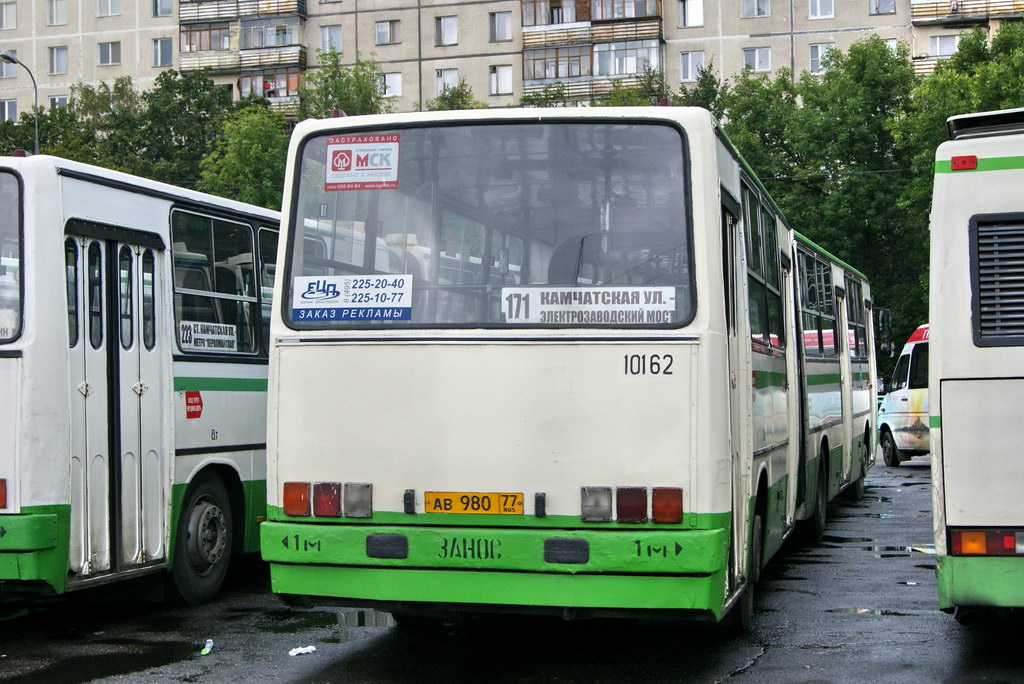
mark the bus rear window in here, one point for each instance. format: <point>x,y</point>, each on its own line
<point>493,225</point>
<point>10,258</point>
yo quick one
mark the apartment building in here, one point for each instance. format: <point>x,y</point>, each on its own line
<point>502,48</point>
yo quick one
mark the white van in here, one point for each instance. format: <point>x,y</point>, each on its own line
<point>903,413</point>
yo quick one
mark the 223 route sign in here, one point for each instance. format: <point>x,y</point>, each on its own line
<point>487,503</point>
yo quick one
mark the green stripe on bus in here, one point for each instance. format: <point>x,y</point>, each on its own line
<point>769,379</point>
<point>935,421</point>
<point>984,164</point>
<point>221,384</point>
<point>815,379</point>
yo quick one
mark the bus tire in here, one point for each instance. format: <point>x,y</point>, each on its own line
<point>202,547</point>
<point>814,527</point>
<point>855,491</point>
<point>890,452</point>
<point>741,617</point>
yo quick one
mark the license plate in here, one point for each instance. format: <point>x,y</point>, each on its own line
<point>486,503</point>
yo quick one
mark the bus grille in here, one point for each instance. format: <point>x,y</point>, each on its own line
<point>999,284</point>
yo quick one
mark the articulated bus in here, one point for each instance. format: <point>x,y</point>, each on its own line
<point>574,364</point>
<point>133,369</point>
<point>976,370</point>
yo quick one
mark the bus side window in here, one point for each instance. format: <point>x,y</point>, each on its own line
<point>899,376</point>
<point>919,366</point>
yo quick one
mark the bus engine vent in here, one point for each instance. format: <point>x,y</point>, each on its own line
<point>998,280</point>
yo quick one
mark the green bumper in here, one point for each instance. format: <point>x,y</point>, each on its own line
<point>974,581</point>
<point>34,547</point>
<point>678,569</point>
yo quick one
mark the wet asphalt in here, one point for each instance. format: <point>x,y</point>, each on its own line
<point>860,606</point>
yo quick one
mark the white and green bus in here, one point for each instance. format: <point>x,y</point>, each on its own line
<point>574,364</point>
<point>133,375</point>
<point>976,363</point>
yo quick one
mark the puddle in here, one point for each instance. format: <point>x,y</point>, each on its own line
<point>293,622</point>
<point>926,567</point>
<point>868,611</point>
<point>847,540</point>
<point>888,549</point>
<point>137,656</point>
<point>910,584</point>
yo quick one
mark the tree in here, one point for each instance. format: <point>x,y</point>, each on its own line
<point>248,162</point>
<point>552,95</point>
<point>706,92</point>
<point>112,120</point>
<point>355,89</point>
<point>458,96</point>
<point>650,89</point>
<point>183,117</point>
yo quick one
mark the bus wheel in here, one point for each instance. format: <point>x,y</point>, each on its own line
<point>890,452</point>
<point>816,528</point>
<point>855,491</point>
<point>202,547</point>
<point>741,617</point>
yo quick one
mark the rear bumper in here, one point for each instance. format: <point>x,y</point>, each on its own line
<point>33,550</point>
<point>635,569</point>
<point>973,581</point>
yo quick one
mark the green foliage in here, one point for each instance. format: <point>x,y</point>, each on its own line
<point>247,164</point>
<point>650,89</point>
<point>553,95</point>
<point>354,89</point>
<point>706,92</point>
<point>459,96</point>
<point>183,117</point>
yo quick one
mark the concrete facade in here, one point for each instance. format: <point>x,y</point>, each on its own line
<point>502,48</point>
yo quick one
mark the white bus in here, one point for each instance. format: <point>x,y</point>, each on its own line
<point>903,410</point>
<point>133,352</point>
<point>976,369</point>
<point>596,373</point>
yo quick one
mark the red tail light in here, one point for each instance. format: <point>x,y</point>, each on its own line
<point>631,504</point>
<point>327,499</point>
<point>667,504</point>
<point>3,493</point>
<point>986,542</point>
<point>296,498</point>
<point>964,163</point>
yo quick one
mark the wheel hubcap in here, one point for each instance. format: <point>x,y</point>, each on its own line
<point>207,536</point>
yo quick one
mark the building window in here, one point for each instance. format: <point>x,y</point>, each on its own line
<point>108,8</point>
<point>820,9</point>
<point>691,13</point>
<point>622,9</point>
<point>10,110</point>
<point>754,8</point>
<point>818,52</point>
<point>892,43</point>
<point>757,59</point>
<point>501,26</point>
<point>944,46</point>
<point>56,12</point>
<point>690,64</point>
<point>110,53</point>
<point>387,32</point>
<point>58,101</point>
<point>445,78</point>
<point>203,37</point>
<point>446,30</point>
<point>162,52</point>
<point>881,6</point>
<point>262,35</point>
<point>563,62</point>
<point>501,80</point>
<point>162,8</point>
<point>330,38</point>
<point>8,70</point>
<point>59,60</point>
<point>8,15</point>
<point>391,84</point>
<point>544,12</point>
<point>272,83</point>
<point>625,58</point>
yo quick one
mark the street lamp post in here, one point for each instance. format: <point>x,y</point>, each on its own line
<point>10,58</point>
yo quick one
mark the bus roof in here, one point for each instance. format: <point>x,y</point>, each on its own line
<point>818,248</point>
<point>984,124</point>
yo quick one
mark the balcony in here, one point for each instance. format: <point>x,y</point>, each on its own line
<point>951,12</point>
<point>293,55</point>
<point>218,60</point>
<point>226,10</point>
<point>582,33</point>
<point>582,88</point>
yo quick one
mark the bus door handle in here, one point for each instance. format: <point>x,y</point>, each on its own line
<point>903,398</point>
